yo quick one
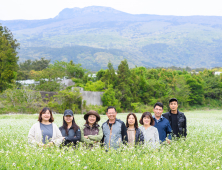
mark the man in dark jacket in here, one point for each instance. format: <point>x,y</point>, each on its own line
<point>177,119</point>
<point>114,130</point>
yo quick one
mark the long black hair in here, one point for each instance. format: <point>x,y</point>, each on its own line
<point>74,125</point>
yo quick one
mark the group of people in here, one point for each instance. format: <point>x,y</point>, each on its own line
<point>156,129</point>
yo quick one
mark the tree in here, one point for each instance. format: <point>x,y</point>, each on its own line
<point>8,58</point>
<point>124,83</point>
<point>28,65</point>
<point>75,70</point>
<point>95,86</point>
<point>100,74</point>
<point>109,77</point>
<point>109,98</point>
<point>37,65</point>
<point>196,90</point>
<point>181,90</point>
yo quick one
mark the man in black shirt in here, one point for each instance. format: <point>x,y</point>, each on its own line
<point>177,119</point>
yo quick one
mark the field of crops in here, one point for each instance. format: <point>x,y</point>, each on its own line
<point>201,150</point>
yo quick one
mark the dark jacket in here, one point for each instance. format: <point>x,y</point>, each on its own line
<point>181,121</point>
<point>94,133</point>
<point>139,137</point>
<point>91,131</point>
<point>72,137</point>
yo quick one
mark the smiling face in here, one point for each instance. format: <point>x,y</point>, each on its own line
<point>68,119</point>
<point>158,111</point>
<point>131,120</point>
<point>111,113</point>
<point>173,105</point>
<point>146,120</point>
<point>46,116</point>
<point>92,119</point>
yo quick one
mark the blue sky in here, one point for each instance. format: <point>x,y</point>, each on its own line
<point>43,9</point>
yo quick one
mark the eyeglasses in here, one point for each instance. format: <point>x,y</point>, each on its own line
<point>111,113</point>
<point>158,109</point>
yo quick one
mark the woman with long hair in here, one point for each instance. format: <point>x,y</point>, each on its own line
<point>91,131</point>
<point>45,132</point>
<point>70,130</point>
<point>150,133</point>
<point>135,135</point>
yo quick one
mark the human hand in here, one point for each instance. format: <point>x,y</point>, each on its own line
<point>40,144</point>
<point>49,144</point>
<point>168,141</point>
<point>86,137</point>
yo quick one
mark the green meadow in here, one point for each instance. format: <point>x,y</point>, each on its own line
<point>201,150</point>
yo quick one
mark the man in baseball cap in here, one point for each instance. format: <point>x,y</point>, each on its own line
<point>177,119</point>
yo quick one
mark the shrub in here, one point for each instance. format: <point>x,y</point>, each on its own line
<point>22,100</point>
<point>67,99</point>
<point>141,108</point>
<point>100,109</point>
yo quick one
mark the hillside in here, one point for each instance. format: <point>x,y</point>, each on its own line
<point>94,35</point>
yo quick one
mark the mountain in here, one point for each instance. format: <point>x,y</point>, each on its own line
<point>94,35</point>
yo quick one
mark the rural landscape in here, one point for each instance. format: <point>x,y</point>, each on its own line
<point>94,57</point>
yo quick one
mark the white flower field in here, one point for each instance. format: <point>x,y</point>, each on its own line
<point>201,150</point>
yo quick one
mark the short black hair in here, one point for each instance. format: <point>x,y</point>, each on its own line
<point>158,104</point>
<point>110,107</point>
<point>173,100</point>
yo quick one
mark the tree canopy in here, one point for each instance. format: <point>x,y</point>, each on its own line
<point>8,58</point>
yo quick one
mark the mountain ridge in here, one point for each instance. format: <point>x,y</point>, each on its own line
<point>143,39</point>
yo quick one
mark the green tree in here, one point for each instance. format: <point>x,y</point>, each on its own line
<point>75,70</point>
<point>48,77</point>
<point>100,74</point>
<point>109,98</point>
<point>36,65</point>
<point>181,91</point>
<point>124,83</point>
<point>28,65</point>
<point>95,86</point>
<point>8,58</point>
<point>109,77</point>
<point>196,90</point>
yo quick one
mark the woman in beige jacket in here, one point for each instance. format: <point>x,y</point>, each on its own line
<point>44,132</point>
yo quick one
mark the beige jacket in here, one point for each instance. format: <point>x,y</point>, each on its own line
<point>35,134</point>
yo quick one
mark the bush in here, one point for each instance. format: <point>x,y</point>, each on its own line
<point>99,109</point>
<point>21,100</point>
<point>48,86</point>
<point>141,108</point>
<point>109,99</point>
<point>67,99</point>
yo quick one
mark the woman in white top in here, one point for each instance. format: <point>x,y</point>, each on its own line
<point>44,132</point>
<point>150,133</point>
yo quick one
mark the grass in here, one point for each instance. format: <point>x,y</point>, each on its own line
<point>201,150</point>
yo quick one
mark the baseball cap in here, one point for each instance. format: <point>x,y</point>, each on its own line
<point>68,112</point>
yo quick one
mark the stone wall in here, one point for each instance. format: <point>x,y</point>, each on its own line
<point>92,97</point>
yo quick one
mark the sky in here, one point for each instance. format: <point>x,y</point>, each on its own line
<point>43,9</point>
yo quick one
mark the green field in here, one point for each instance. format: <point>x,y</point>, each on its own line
<point>201,150</point>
